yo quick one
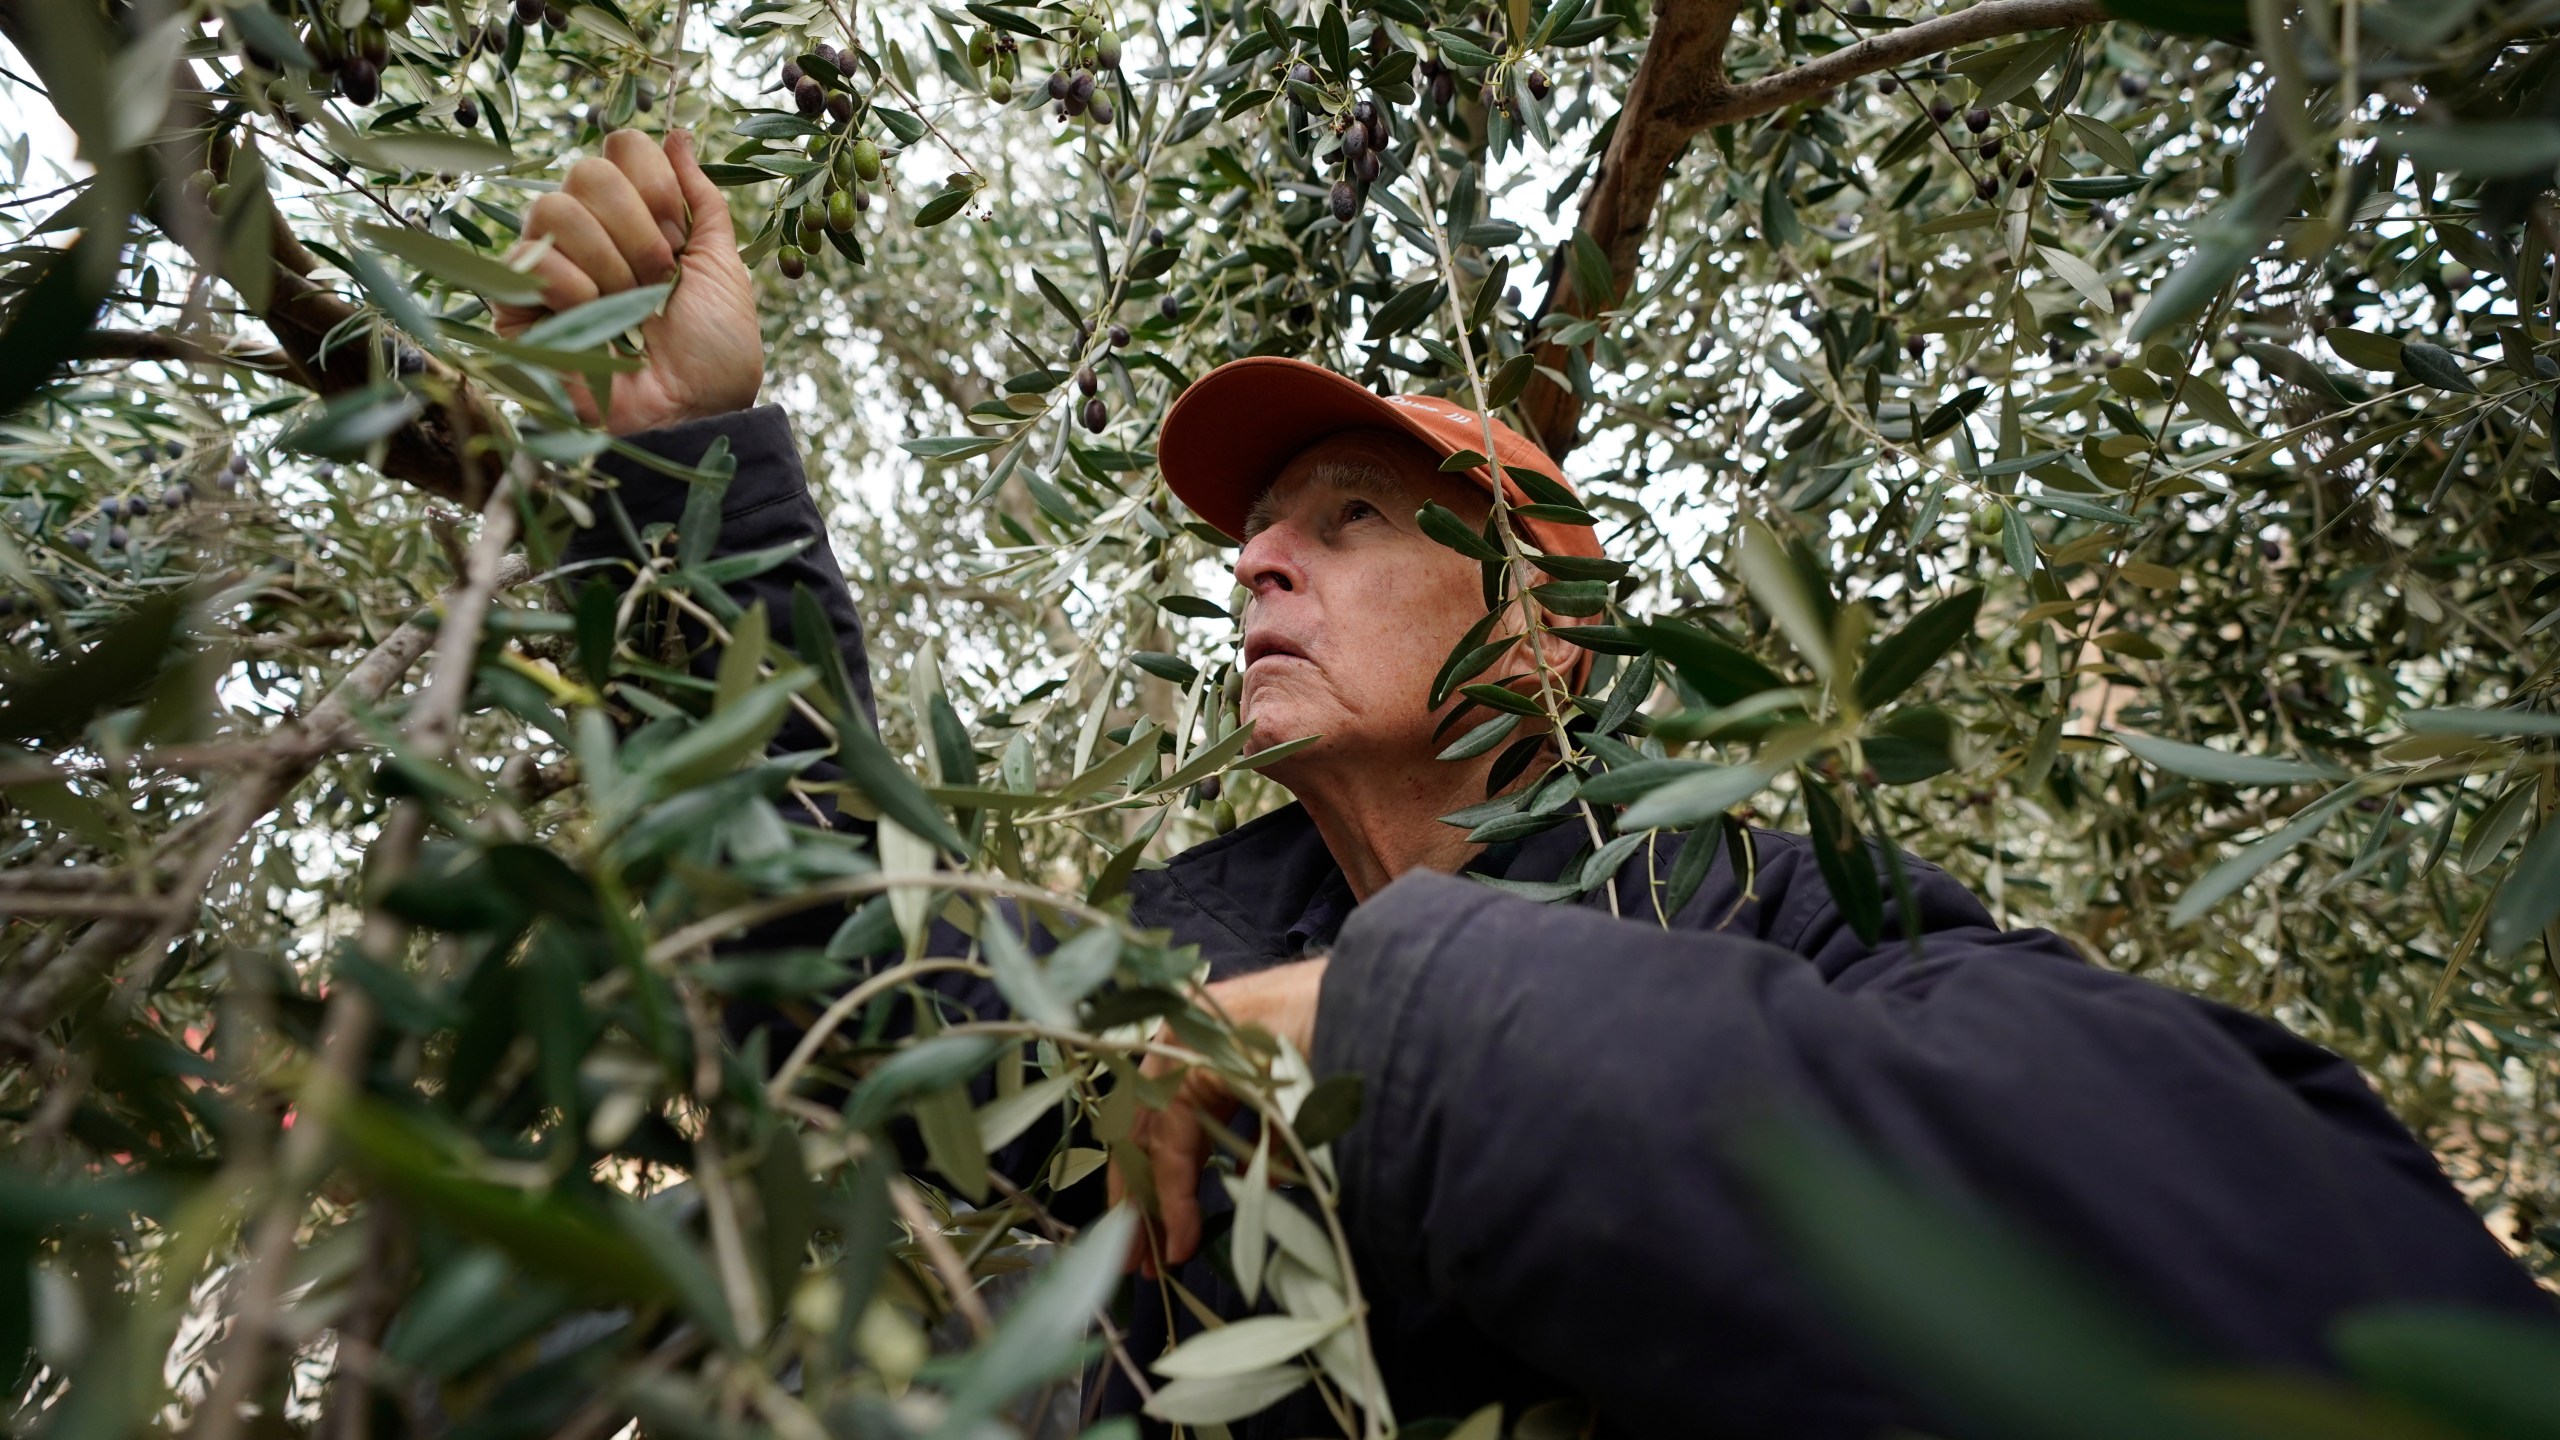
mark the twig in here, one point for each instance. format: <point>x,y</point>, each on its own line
<point>946,1261</point>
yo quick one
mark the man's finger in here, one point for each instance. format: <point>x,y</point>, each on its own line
<point>616,205</point>
<point>1178,1147</point>
<point>645,166</point>
<point>706,207</point>
<point>579,238</point>
<point>564,287</point>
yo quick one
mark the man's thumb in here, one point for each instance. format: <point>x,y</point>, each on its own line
<point>710,208</point>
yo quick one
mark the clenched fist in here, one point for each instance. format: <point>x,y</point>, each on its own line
<point>642,214</point>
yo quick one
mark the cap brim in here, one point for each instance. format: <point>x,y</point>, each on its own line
<point>1230,434</point>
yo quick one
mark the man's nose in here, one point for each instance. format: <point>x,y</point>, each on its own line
<point>1270,561</point>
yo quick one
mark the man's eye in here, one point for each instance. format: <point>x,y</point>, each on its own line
<point>1359,510</point>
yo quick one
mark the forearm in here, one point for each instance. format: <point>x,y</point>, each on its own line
<point>768,506</point>
<point>1552,1097</point>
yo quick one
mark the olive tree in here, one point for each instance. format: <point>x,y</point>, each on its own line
<point>2106,452</point>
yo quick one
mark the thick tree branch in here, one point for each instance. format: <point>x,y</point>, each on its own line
<point>1681,88</point>
<point>433,452</point>
<point>164,345</point>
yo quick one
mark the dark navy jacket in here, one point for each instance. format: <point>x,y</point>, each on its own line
<point>1538,1191</point>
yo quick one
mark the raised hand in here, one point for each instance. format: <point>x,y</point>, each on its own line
<point>641,214</point>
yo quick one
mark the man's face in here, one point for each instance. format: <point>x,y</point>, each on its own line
<point>1353,609</point>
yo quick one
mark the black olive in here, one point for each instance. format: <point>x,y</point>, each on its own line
<point>1169,308</point>
<point>1940,110</point>
<point>1977,119</point>
<point>1986,187</point>
<point>1346,200</point>
<point>1080,88</point>
<point>1087,381</point>
<point>1096,415</point>
<point>1119,337</point>
<point>1355,142</point>
<point>1101,109</point>
<point>466,114</point>
<point>839,106</point>
<point>359,81</point>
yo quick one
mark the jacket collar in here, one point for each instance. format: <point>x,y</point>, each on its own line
<point>1268,891</point>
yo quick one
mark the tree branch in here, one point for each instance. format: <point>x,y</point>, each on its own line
<point>1681,88</point>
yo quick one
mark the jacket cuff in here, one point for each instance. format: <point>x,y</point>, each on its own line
<point>759,440</point>
<point>1373,979</point>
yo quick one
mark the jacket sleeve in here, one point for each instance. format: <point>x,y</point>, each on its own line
<point>1551,1094</point>
<point>769,504</point>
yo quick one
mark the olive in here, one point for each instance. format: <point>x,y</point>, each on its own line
<point>373,43</point>
<point>999,89</point>
<point>813,223</point>
<point>646,100</point>
<point>359,81</point>
<point>840,212</point>
<point>1169,308</point>
<point>1888,86</point>
<point>1538,85</point>
<point>1940,110</point>
<point>2131,86</point>
<point>1986,187</point>
<point>842,167</point>
<point>1990,520</point>
<point>1057,85</point>
<point>795,262</point>
<point>529,12</point>
<point>466,114</point>
<point>1443,89</point>
<point>111,507</point>
<point>1804,7</point>
<point>861,200</point>
<point>1119,337</point>
<point>1087,381</point>
<point>173,449</point>
<point>1346,200</point>
<point>1080,88</point>
<point>1977,119</point>
<point>493,37</point>
<point>1303,73</point>
<point>2026,175</point>
<point>1155,234</point>
<point>1991,148</point>
<point>866,158</point>
<point>1101,109</point>
<point>1096,414</point>
<point>1355,142</point>
<point>555,18</point>
<point>76,539</point>
<point>839,106</point>
<point>393,14</point>
<point>118,538</point>
<point>809,95</point>
<point>1106,52</point>
<point>790,74</point>
<point>238,464</point>
<point>1917,346</point>
<point>175,496</point>
<point>1366,167</point>
<point>1365,111</point>
<point>1089,26</point>
<point>138,505</point>
<point>982,48</point>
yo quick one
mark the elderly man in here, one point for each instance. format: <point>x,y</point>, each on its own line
<point>1537,1191</point>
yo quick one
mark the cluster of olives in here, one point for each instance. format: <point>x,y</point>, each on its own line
<point>176,493</point>
<point>1077,88</point>
<point>354,56</point>
<point>1096,414</point>
<point>1362,133</point>
<point>998,55</point>
<point>853,162</point>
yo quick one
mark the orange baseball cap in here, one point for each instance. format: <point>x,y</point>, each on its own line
<point>1229,434</point>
